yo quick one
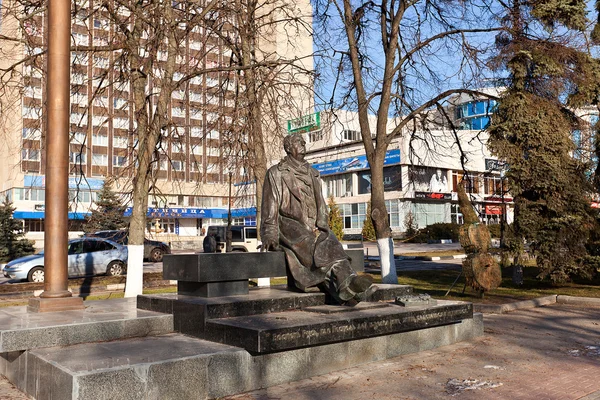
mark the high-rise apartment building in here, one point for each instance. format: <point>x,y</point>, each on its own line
<point>199,150</point>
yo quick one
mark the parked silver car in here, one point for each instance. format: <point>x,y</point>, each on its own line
<point>87,256</point>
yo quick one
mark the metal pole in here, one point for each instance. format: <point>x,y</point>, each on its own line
<point>228,235</point>
<point>56,296</point>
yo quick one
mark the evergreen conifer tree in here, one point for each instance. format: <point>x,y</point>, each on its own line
<point>368,230</point>
<point>336,223</point>
<point>108,214</point>
<point>12,244</point>
<point>531,130</point>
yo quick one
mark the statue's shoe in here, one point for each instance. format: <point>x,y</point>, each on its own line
<point>360,283</point>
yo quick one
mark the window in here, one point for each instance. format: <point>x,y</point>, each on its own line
<point>32,194</point>
<point>30,155</point>
<point>351,135</point>
<point>121,104</point>
<point>120,142</point>
<point>429,213</point>
<point>196,131</point>
<point>315,136</point>
<point>33,92</point>
<point>78,119</point>
<point>492,185</point>
<point>178,112</point>
<point>455,215</point>
<point>121,123</point>
<point>99,159</point>
<point>77,157</point>
<point>177,147</point>
<point>99,139</point>
<point>177,165</point>
<point>354,215</point>
<point>212,134</point>
<point>79,137</point>
<point>338,185</point>
<point>32,133</point>
<point>32,112</point>
<point>393,209</point>
<point>119,161</point>
<point>471,181</point>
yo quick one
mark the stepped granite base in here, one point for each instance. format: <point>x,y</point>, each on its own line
<point>314,338</point>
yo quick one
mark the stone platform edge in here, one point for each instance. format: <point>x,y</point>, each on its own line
<point>231,372</point>
<point>539,302</point>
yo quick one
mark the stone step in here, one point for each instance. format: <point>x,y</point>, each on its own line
<point>175,366</point>
<point>99,321</point>
<point>313,326</point>
<point>190,313</point>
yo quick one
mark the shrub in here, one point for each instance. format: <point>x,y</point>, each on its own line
<point>437,231</point>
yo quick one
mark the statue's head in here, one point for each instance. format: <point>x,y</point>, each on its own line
<point>295,146</point>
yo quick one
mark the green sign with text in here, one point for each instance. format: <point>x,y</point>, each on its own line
<point>305,123</point>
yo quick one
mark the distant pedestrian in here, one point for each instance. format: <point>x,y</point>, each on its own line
<point>210,242</point>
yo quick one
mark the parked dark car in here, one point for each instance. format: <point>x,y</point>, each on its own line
<point>153,249</point>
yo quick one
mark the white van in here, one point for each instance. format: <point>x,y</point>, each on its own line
<point>243,238</point>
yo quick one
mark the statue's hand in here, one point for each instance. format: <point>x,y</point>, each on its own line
<point>269,245</point>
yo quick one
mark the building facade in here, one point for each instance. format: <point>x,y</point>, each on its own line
<point>421,171</point>
<point>195,162</point>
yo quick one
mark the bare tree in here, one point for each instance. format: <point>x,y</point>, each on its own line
<point>393,60</point>
<point>148,57</point>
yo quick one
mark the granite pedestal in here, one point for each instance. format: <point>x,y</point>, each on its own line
<point>267,336</point>
<point>227,274</point>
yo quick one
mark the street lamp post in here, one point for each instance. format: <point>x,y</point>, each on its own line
<point>228,235</point>
<point>56,296</point>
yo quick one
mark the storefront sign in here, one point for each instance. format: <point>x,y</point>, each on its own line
<point>492,164</point>
<point>305,123</point>
<point>392,180</point>
<point>429,179</point>
<point>355,163</point>
<point>190,212</point>
<point>433,196</point>
<point>493,210</point>
<point>498,199</point>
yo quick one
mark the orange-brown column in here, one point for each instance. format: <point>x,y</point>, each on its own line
<point>56,296</point>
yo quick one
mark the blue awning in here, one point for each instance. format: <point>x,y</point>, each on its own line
<point>41,215</point>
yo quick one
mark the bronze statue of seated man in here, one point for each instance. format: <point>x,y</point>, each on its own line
<point>294,219</point>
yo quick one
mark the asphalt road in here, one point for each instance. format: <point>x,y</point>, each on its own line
<point>370,250</point>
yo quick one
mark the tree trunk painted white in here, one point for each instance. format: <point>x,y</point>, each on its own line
<point>262,282</point>
<point>135,270</point>
<point>388,265</point>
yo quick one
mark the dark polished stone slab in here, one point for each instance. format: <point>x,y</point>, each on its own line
<point>227,274</point>
<point>357,259</point>
<point>213,289</point>
<point>219,267</point>
<point>191,312</point>
<point>291,330</point>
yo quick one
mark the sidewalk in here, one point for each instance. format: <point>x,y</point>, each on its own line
<point>550,352</point>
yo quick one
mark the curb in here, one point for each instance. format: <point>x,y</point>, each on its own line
<point>539,302</point>
<point>578,300</point>
<point>93,290</point>
<point>518,305</point>
<point>425,258</point>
